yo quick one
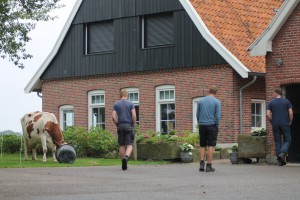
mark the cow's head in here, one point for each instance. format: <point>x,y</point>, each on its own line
<point>54,131</point>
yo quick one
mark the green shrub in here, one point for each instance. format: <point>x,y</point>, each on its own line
<point>11,143</point>
<point>93,143</point>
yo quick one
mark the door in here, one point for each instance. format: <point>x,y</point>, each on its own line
<point>292,93</point>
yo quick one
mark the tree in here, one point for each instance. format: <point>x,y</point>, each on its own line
<point>18,18</point>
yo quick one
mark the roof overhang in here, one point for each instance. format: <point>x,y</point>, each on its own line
<point>238,66</point>
<point>263,43</point>
<point>35,84</point>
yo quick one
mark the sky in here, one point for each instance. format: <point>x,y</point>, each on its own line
<point>14,102</point>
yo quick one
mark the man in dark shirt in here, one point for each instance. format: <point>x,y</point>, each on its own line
<point>280,114</point>
<point>124,117</point>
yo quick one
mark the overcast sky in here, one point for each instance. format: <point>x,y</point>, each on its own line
<point>14,102</point>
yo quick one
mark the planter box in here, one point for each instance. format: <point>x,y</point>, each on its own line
<point>251,146</point>
<point>162,151</point>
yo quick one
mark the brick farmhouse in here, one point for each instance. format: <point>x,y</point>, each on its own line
<point>167,54</point>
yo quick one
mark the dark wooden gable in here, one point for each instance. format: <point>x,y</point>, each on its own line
<point>189,49</point>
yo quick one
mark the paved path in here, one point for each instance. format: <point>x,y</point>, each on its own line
<point>161,182</point>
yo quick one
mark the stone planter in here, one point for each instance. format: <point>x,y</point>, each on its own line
<point>186,156</point>
<point>251,146</point>
<point>161,151</point>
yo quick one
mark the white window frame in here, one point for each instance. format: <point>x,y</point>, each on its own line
<point>62,109</point>
<point>136,103</point>
<point>96,105</point>
<point>263,112</point>
<point>159,102</point>
<point>195,105</point>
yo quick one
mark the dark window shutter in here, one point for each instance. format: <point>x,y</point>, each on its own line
<point>100,37</point>
<point>159,30</point>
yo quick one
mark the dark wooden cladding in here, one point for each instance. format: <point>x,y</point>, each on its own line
<point>97,10</point>
<point>189,49</point>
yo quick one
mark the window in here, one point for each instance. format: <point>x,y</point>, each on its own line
<point>157,30</point>
<point>195,105</point>
<point>165,109</point>
<point>133,96</point>
<point>97,109</point>
<point>66,113</point>
<point>99,37</point>
<point>258,115</point>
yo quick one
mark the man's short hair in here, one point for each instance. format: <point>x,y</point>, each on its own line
<point>213,90</point>
<point>277,91</point>
<point>123,93</point>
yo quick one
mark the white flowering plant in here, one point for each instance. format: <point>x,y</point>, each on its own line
<point>186,147</point>
<point>233,148</point>
<point>259,132</point>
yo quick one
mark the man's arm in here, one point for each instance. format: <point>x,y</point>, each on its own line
<point>133,114</point>
<point>269,115</point>
<point>198,112</point>
<point>218,114</point>
<point>291,115</point>
<point>114,117</point>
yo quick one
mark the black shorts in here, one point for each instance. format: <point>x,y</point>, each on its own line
<point>125,134</point>
<point>208,135</point>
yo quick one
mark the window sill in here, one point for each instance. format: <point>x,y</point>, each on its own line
<point>157,47</point>
<point>100,53</point>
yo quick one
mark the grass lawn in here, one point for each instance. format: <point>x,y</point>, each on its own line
<point>14,161</point>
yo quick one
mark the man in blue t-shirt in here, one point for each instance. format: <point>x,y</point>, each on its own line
<point>280,114</point>
<point>124,117</point>
<point>208,117</point>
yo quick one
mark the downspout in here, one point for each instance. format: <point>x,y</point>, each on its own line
<point>39,94</point>
<point>241,102</point>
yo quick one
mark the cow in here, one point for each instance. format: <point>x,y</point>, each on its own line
<point>41,127</point>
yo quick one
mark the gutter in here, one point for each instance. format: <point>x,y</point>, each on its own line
<point>241,102</point>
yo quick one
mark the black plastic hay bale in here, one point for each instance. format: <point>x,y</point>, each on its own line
<point>66,154</point>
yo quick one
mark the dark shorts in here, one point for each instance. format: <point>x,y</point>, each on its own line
<point>125,134</point>
<point>208,135</point>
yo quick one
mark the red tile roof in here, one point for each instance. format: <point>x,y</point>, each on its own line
<point>237,23</point>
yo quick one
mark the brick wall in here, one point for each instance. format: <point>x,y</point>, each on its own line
<point>286,46</point>
<point>189,83</point>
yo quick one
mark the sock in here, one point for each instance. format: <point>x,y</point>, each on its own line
<point>126,157</point>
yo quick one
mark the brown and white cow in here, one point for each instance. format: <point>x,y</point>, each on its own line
<point>41,127</point>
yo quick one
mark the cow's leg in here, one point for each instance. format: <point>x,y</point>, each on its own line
<point>52,146</point>
<point>34,152</point>
<point>25,148</point>
<point>44,145</point>
<point>53,154</point>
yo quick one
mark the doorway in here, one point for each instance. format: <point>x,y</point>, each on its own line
<point>292,93</point>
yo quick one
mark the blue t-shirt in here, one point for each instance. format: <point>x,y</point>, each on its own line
<point>123,109</point>
<point>209,111</point>
<point>280,111</point>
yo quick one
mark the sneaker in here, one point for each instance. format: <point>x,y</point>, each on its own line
<point>280,163</point>
<point>124,163</point>
<point>202,164</point>
<point>282,158</point>
<point>209,168</point>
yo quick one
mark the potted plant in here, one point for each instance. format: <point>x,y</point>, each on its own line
<point>186,153</point>
<point>233,153</point>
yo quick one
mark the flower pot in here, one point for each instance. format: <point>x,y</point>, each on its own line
<point>233,157</point>
<point>186,156</point>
